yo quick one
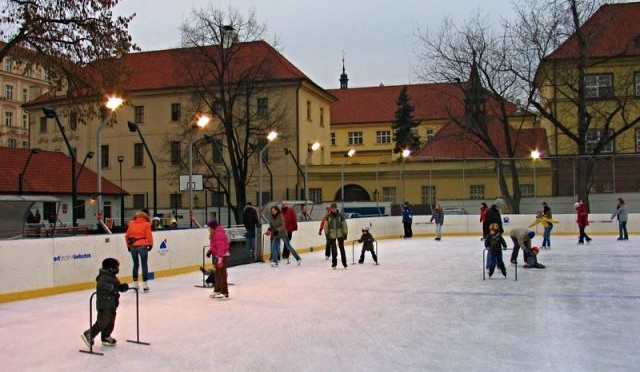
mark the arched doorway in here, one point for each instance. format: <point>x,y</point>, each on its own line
<point>353,193</point>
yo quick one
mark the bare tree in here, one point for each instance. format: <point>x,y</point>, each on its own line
<point>64,36</point>
<point>232,71</point>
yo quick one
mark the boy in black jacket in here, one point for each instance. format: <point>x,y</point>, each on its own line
<point>107,300</point>
<point>495,243</point>
<point>367,239</point>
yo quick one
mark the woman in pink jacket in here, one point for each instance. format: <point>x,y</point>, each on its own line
<point>219,248</point>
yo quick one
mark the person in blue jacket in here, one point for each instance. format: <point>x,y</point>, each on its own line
<point>407,219</point>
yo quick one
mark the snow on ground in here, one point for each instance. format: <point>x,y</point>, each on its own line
<point>424,308</point>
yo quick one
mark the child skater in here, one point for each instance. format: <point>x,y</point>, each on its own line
<point>367,245</point>
<point>494,242</point>
<point>219,248</point>
<point>107,300</point>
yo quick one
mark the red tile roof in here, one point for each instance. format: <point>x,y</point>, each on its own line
<point>48,172</point>
<point>453,142</point>
<point>613,30</point>
<point>378,104</point>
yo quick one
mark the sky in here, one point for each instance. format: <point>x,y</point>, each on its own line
<point>377,37</point>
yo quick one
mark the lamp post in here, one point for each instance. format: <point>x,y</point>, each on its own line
<point>270,137</point>
<point>535,155</point>
<point>287,151</point>
<point>89,155</point>
<point>133,127</point>
<point>311,147</point>
<point>50,113</point>
<point>348,155</point>
<point>405,154</point>
<point>202,122</point>
<point>24,169</point>
<point>112,104</point>
<point>120,160</point>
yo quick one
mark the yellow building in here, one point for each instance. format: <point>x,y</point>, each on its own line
<point>20,82</point>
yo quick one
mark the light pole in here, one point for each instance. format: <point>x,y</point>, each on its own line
<point>270,137</point>
<point>535,155</point>
<point>202,122</point>
<point>112,104</point>
<point>311,147</point>
<point>348,155</point>
<point>120,160</point>
<point>24,169</point>
<point>133,127</point>
<point>405,154</point>
<point>287,151</point>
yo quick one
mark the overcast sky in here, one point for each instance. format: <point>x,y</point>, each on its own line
<point>377,36</point>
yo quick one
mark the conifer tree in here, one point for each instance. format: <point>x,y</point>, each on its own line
<point>404,126</point>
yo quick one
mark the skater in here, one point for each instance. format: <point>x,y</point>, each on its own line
<point>493,216</point>
<point>219,249</point>
<point>521,238</point>
<point>367,245</point>
<point>407,219</point>
<point>495,243</point>
<point>139,242</point>
<point>547,223</point>
<point>250,221</point>
<point>304,215</point>
<point>582,219</point>
<point>621,213</point>
<point>278,231</point>
<point>291,224</point>
<point>483,214</point>
<point>327,245</point>
<point>438,217</point>
<point>336,229</point>
<point>107,300</point>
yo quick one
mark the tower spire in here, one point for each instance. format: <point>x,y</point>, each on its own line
<point>344,79</point>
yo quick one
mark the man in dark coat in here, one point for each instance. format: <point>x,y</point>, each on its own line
<point>493,216</point>
<point>250,221</point>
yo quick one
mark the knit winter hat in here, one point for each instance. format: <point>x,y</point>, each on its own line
<point>212,224</point>
<point>110,264</point>
<point>531,234</point>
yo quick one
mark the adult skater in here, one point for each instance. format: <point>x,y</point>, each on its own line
<point>438,217</point>
<point>250,221</point>
<point>291,223</point>
<point>582,219</point>
<point>279,232</point>
<point>219,248</point>
<point>139,242</point>
<point>337,230</point>
<point>407,219</point>
<point>493,216</point>
<point>622,215</point>
<point>521,238</point>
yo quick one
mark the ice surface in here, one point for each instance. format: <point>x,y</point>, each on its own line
<point>425,308</point>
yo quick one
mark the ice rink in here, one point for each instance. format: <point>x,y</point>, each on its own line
<point>426,307</point>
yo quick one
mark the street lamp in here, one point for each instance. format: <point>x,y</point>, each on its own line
<point>24,169</point>
<point>287,151</point>
<point>535,155</point>
<point>89,155</point>
<point>348,155</point>
<point>405,154</point>
<point>202,122</point>
<point>112,104</point>
<point>133,127</point>
<point>120,160</point>
<point>270,137</point>
<point>311,147</point>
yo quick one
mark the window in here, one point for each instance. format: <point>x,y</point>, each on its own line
<point>12,143</point>
<point>332,139</point>
<point>527,190</point>
<point>8,119</point>
<point>309,110</point>
<point>138,114</point>
<point>176,112</point>
<point>355,138</point>
<point>322,116</point>
<point>25,95</point>
<point>383,136</point>
<point>25,121</point>
<point>176,153</point>
<point>316,195</point>
<point>598,86</point>
<point>138,155</point>
<point>28,71</point>
<point>138,201</point>
<point>8,65</point>
<point>43,124</point>
<point>428,195</point>
<point>104,162</point>
<point>477,192</point>
<point>216,152</point>
<point>593,137</point>
<point>8,92</point>
<point>429,134</point>
<point>389,194</point>
<point>175,201</point>
<point>263,107</point>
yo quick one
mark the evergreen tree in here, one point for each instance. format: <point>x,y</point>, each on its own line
<point>404,126</point>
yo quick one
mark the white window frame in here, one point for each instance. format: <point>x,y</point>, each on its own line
<point>592,137</point>
<point>598,85</point>
<point>8,92</point>
<point>383,137</point>
<point>355,138</point>
<point>476,192</point>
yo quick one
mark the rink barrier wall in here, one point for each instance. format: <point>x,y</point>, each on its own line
<point>47,266</point>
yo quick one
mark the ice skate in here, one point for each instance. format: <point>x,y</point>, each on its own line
<point>109,341</point>
<point>86,337</point>
<point>145,287</point>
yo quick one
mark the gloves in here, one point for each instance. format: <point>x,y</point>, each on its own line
<point>208,253</point>
<point>149,248</point>
<point>123,287</point>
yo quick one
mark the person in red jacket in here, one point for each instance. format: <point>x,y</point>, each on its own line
<point>582,219</point>
<point>139,242</point>
<point>483,214</point>
<point>291,224</point>
<point>219,248</point>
